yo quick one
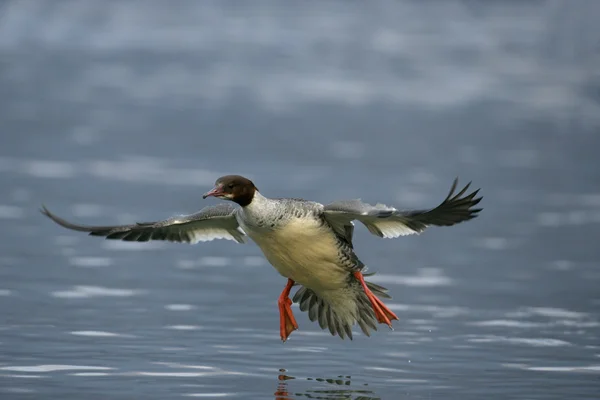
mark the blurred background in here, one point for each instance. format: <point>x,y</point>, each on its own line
<point>121,111</point>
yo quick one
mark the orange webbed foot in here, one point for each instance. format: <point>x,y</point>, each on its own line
<point>287,322</point>
<point>383,314</point>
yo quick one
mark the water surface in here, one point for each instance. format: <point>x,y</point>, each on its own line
<point>113,112</point>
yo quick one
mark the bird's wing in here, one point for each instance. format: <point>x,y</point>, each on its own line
<point>387,222</point>
<point>213,222</point>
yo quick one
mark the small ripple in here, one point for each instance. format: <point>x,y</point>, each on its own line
<point>308,349</point>
<point>433,310</point>
<point>399,354</point>
<point>578,324</point>
<point>52,368</point>
<point>492,243</point>
<point>589,199</point>
<point>173,374</point>
<point>534,342</point>
<point>91,374</point>
<point>589,368</point>
<point>90,262</point>
<point>98,334</point>
<point>313,333</point>
<point>556,312</point>
<point>48,169</point>
<point>549,219</point>
<point>5,292</point>
<point>426,277</point>
<point>549,312</point>
<point>79,292</point>
<point>572,218</point>
<point>253,261</point>
<point>179,307</point>
<point>210,261</point>
<point>238,352</point>
<point>17,390</point>
<point>385,369</point>
<point>507,323</point>
<point>172,348</point>
<point>562,265</point>
<point>179,365</point>
<point>134,169</point>
<point>11,212</point>
<point>184,327</point>
<point>214,261</point>
<point>185,264</point>
<point>206,371</point>
<point>132,246</point>
<point>150,170</point>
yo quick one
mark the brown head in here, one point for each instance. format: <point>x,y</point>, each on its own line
<point>235,188</point>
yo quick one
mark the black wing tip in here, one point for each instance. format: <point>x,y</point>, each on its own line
<point>94,231</point>
<point>460,196</point>
<point>44,210</point>
<point>452,189</point>
<point>458,207</point>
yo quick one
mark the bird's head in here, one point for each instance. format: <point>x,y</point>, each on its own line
<point>235,188</point>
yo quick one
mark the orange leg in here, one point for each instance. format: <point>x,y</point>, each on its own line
<point>384,315</point>
<point>287,322</point>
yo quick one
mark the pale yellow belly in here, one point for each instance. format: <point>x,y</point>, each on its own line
<point>304,252</point>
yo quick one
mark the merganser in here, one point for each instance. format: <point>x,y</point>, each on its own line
<point>307,242</point>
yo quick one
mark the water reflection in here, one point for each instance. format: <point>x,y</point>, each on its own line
<point>321,391</point>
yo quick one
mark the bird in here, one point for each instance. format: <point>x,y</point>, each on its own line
<point>308,243</point>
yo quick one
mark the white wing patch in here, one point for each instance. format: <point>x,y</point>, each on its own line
<point>208,235</point>
<point>388,229</point>
<point>210,223</point>
<point>388,222</point>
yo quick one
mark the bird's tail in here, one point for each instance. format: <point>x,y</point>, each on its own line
<point>338,310</point>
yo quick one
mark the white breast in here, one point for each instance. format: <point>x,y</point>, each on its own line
<point>305,251</point>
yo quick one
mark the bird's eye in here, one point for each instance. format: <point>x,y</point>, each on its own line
<point>230,186</point>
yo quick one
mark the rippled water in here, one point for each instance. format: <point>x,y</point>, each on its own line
<point>112,112</point>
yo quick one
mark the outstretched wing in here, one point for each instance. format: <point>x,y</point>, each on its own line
<point>213,222</point>
<point>387,222</point>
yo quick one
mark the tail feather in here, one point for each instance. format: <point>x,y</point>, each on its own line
<point>340,312</point>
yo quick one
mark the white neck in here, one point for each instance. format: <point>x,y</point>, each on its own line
<point>258,201</point>
<point>260,207</point>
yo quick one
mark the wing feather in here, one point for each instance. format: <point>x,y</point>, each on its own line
<point>387,222</point>
<point>210,223</point>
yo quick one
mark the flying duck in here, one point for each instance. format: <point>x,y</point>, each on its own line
<point>307,242</point>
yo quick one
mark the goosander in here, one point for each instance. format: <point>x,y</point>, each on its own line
<point>307,242</point>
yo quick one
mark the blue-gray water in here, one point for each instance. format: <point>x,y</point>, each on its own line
<point>112,112</point>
